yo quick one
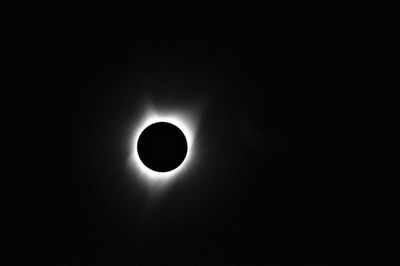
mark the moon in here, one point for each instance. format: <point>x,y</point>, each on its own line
<point>162,147</point>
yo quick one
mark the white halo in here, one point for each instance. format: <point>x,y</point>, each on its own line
<point>179,120</point>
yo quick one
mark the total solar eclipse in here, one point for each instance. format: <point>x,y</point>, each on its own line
<point>162,147</point>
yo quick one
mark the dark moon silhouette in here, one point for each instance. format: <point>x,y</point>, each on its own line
<point>162,147</point>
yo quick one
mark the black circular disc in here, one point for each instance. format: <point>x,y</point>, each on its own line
<point>162,147</point>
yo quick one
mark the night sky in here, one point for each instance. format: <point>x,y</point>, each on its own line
<point>295,106</point>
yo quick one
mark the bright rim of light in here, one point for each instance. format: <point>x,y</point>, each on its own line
<point>176,119</point>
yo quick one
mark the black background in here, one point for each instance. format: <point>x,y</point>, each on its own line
<point>297,140</point>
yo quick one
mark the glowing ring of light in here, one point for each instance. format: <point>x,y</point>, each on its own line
<point>183,124</point>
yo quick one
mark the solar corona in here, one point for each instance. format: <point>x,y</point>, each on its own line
<point>162,146</point>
